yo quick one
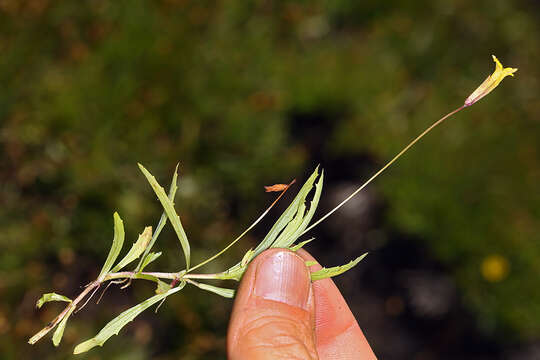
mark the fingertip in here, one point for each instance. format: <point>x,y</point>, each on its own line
<point>274,302</point>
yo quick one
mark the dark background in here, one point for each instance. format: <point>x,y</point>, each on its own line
<point>250,93</point>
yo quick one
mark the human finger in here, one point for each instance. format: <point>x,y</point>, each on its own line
<point>337,333</point>
<point>273,314</point>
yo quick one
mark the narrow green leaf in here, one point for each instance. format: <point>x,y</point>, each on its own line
<point>310,263</point>
<point>287,215</point>
<point>168,206</point>
<point>291,227</point>
<point>162,220</point>
<point>51,297</point>
<point>287,238</point>
<point>136,249</point>
<point>234,273</point>
<point>247,257</point>
<point>115,325</point>
<point>148,259</point>
<point>300,245</point>
<point>228,293</point>
<point>336,270</point>
<point>59,332</point>
<point>118,242</point>
<point>312,208</point>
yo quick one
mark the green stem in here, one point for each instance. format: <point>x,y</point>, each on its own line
<point>143,275</point>
<point>201,276</point>
<point>51,325</point>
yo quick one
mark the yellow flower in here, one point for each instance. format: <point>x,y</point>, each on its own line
<point>491,82</point>
<point>495,268</point>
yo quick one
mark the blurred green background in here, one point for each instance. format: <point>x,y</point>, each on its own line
<point>250,93</point>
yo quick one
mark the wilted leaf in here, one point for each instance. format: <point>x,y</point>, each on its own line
<point>336,270</point>
<point>276,187</point>
<point>137,249</point>
<point>59,332</point>
<point>168,206</point>
<point>115,325</point>
<point>116,246</point>
<point>51,297</point>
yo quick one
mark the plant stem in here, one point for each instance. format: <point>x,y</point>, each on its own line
<point>160,275</point>
<point>201,276</point>
<point>143,275</point>
<point>92,286</point>
<point>405,149</point>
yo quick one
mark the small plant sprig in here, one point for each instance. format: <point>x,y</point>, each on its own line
<point>294,222</point>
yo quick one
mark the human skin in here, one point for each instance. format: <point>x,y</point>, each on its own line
<point>280,314</point>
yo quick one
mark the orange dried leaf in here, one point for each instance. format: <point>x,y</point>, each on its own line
<point>278,187</point>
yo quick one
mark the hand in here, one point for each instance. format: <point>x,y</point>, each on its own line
<point>279,314</point>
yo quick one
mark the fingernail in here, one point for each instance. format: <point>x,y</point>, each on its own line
<point>283,276</point>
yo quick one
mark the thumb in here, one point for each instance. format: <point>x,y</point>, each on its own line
<point>273,315</point>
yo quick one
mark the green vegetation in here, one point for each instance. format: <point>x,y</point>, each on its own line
<point>90,88</point>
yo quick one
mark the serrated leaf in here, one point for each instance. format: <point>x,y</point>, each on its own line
<point>228,293</point>
<point>115,325</point>
<point>287,239</point>
<point>168,206</point>
<point>298,225</point>
<point>116,247</point>
<point>336,270</point>
<point>312,208</point>
<point>136,249</point>
<point>300,245</point>
<point>59,332</point>
<point>51,297</point>
<point>291,228</point>
<point>162,220</point>
<point>148,259</point>
<point>287,215</point>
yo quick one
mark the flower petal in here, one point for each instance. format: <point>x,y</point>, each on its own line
<point>491,82</point>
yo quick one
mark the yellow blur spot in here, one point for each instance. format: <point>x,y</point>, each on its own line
<point>495,268</point>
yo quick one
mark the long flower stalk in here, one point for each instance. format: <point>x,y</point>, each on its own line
<point>405,149</point>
